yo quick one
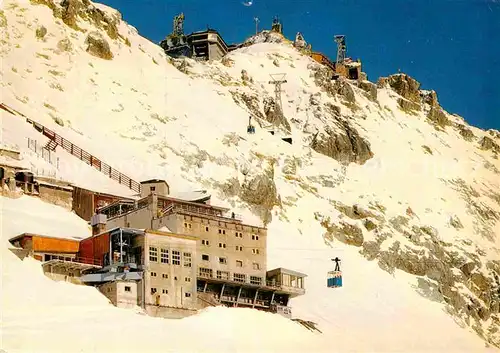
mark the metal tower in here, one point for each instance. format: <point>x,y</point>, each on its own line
<point>341,48</point>
<point>277,81</point>
<point>256,20</point>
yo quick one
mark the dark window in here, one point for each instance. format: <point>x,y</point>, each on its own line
<point>205,257</point>
<point>127,289</point>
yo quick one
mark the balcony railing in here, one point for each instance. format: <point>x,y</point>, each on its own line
<point>202,211</point>
<point>80,260</point>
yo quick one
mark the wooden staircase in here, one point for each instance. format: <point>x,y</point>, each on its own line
<point>57,140</point>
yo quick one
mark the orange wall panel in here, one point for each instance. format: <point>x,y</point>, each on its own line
<point>43,244</point>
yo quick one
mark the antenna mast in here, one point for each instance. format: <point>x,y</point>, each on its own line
<point>277,81</point>
<point>341,48</point>
<point>256,20</point>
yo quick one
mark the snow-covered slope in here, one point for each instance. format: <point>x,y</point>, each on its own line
<point>390,177</point>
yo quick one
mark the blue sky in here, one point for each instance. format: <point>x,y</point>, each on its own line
<point>451,46</point>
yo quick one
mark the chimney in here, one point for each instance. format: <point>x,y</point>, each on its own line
<point>98,223</point>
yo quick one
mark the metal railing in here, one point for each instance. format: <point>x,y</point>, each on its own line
<point>80,260</point>
<point>201,211</point>
<point>80,153</point>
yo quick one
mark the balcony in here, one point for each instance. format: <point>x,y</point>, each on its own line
<point>205,211</point>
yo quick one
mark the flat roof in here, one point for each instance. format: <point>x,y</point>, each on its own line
<point>20,236</point>
<point>153,181</point>
<point>144,231</point>
<point>285,270</point>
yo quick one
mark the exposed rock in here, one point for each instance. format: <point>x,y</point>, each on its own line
<point>98,46</point>
<point>229,63</point>
<point>354,212</point>
<point>261,193</point>
<point>70,12</point>
<point>437,116</point>
<point>64,45</point>
<point>276,63</point>
<point>494,133</point>
<point>455,222</point>
<point>369,225</point>
<point>40,32</point>
<point>322,77</point>
<point>290,165</point>
<point>407,105</point>
<point>3,19</point>
<point>467,134</point>
<point>407,87</point>
<point>487,143</point>
<point>344,147</point>
<point>245,77</point>
<point>370,88</point>
<point>427,149</point>
<point>273,113</point>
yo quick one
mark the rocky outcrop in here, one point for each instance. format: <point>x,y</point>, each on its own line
<point>260,192</point>
<point>40,32</point>
<point>344,232</point>
<point>98,46</point>
<point>273,114</point>
<point>245,77</point>
<point>466,133</point>
<point>322,77</point>
<point>370,88</point>
<point>71,11</point>
<point>488,144</point>
<point>407,87</point>
<point>435,113</point>
<point>346,146</point>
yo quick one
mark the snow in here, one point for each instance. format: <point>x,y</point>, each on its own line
<point>150,120</point>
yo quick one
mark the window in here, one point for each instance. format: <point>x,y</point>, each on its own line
<point>256,237</point>
<point>153,290</point>
<point>164,275</point>
<point>220,231</point>
<point>187,279</point>
<point>239,277</point>
<point>152,188</point>
<point>223,231</point>
<point>239,248</point>
<point>222,245</point>
<point>153,274</point>
<point>176,257</point>
<point>187,294</point>
<point>253,237</point>
<point>239,235</point>
<point>164,256</point>
<point>205,257</point>
<point>187,259</point>
<point>153,254</point>
<point>255,251</point>
<point>205,272</point>
<point>256,266</point>
<point>222,260</point>
<point>206,229</point>
<point>255,280</point>
<point>223,275</point>
<point>164,291</point>
<point>239,263</point>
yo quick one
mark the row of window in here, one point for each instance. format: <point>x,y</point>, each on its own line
<point>223,231</point>
<point>165,276</point>
<point>223,246</point>
<point>225,275</point>
<point>165,291</point>
<point>165,259</point>
<point>223,261</point>
<point>220,223</point>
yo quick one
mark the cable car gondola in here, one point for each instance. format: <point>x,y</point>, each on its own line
<point>334,279</point>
